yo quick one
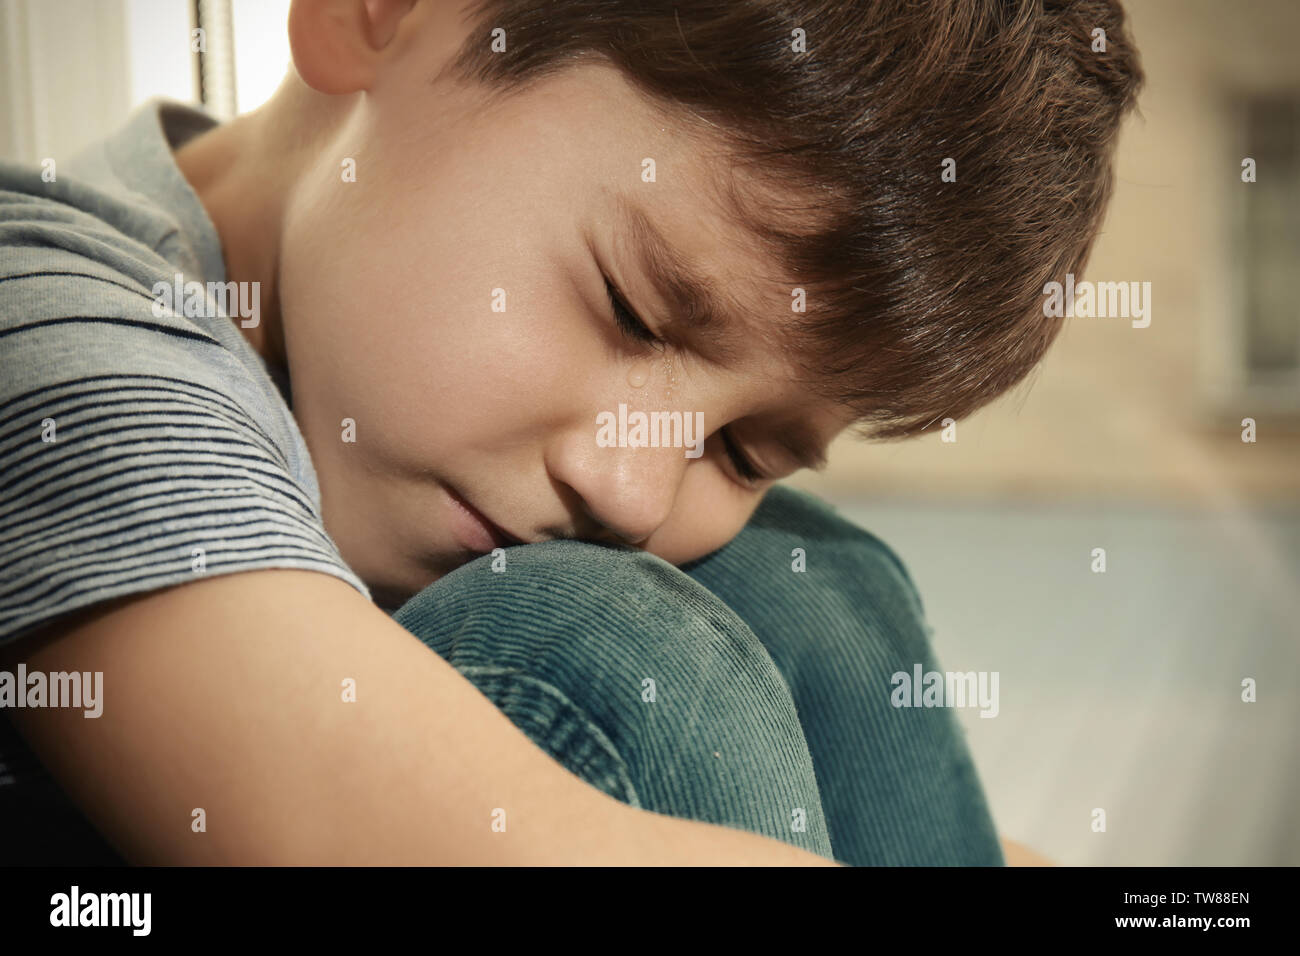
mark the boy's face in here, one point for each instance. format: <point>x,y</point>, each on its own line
<point>452,303</point>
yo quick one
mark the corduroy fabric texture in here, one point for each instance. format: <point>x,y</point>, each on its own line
<point>736,690</point>
<point>898,785</point>
<point>635,678</point>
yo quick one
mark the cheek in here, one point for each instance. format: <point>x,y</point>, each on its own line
<point>389,291</point>
<point>710,511</point>
<point>391,324</point>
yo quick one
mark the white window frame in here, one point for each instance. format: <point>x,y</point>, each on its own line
<point>1229,383</point>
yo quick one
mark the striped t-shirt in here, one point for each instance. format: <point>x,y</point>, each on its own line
<point>139,447</point>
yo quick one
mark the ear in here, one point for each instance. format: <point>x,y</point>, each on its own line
<point>338,45</point>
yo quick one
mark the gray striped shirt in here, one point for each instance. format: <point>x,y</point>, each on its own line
<point>136,451</point>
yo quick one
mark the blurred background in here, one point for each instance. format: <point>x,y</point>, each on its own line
<point>1119,690</point>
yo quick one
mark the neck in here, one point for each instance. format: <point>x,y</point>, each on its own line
<point>243,172</point>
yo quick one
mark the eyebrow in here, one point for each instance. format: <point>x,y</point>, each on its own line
<point>696,305</point>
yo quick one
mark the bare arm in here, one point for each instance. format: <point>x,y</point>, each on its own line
<point>225,694</point>
<point>1018,855</point>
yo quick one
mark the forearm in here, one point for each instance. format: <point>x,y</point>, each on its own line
<point>225,696</point>
<point>1018,855</point>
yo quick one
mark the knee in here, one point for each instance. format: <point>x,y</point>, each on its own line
<point>635,677</point>
<point>594,616</point>
<point>797,556</point>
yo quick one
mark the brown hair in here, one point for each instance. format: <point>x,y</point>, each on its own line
<point>924,297</point>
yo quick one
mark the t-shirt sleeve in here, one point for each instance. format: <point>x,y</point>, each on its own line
<point>130,460</point>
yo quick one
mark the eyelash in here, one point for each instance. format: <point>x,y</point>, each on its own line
<point>627,321</point>
<point>748,473</point>
<point>630,324</point>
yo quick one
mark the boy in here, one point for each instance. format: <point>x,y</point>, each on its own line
<point>472,237</point>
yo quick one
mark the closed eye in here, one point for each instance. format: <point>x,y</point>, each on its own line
<point>749,475</point>
<point>628,322</point>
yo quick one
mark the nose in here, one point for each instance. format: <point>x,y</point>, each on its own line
<point>628,492</point>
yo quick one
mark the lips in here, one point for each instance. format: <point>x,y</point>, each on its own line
<point>473,530</point>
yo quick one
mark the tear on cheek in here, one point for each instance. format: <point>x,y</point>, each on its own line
<point>638,374</point>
